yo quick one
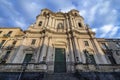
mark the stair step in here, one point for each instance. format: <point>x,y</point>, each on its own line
<point>60,76</point>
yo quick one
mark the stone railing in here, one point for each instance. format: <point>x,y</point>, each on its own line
<point>43,67</point>
<point>29,67</point>
<point>98,67</point>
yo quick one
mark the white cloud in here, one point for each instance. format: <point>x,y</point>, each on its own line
<point>8,6</point>
<point>31,8</point>
<point>96,13</point>
<point>104,8</point>
<point>92,13</point>
<point>83,13</point>
<point>108,30</point>
<point>94,29</point>
<point>18,23</point>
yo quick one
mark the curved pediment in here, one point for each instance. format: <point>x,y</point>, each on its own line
<point>59,14</point>
<point>29,49</point>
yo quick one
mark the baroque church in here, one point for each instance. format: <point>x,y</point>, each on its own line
<point>58,46</point>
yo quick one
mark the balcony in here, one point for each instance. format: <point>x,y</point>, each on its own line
<point>18,67</point>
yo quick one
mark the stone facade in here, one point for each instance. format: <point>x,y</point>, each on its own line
<point>63,31</point>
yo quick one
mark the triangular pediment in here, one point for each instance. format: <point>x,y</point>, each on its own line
<point>29,49</point>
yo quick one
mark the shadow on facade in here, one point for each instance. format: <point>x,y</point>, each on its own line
<point>32,68</point>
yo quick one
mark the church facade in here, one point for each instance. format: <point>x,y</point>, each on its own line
<point>57,43</point>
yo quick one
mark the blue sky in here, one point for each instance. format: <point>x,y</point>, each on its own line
<point>103,16</point>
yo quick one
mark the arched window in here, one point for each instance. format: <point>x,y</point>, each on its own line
<point>75,14</point>
<point>40,23</point>
<point>44,13</point>
<point>89,57</point>
<point>79,24</point>
<point>60,26</point>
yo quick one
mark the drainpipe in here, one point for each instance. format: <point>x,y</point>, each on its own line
<point>23,70</point>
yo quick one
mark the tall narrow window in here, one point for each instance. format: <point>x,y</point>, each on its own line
<point>104,46</point>
<point>40,23</point>
<point>79,24</point>
<point>27,58</point>
<point>33,41</point>
<point>117,44</point>
<point>86,43</point>
<point>75,14</point>
<point>2,43</point>
<point>0,32</point>
<point>5,57</point>
<point>111,58</point>
<point>14,42</point>
<point>89,58</point>
<point>10,32</point>
<point>109,55</point>
<point>44,13</point>
<point>60,26</point>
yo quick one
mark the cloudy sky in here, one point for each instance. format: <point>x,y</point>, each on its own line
<point>103,16</point>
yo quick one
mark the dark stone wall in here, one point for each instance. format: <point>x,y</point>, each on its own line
<point>98,75</point>
<point>24,76</point>
<point>78,75</point>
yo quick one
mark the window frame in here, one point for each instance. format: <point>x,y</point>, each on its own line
<point>79,24</point>
<point>33,41</point>
<point>86,43</point>
<point>40,23</point>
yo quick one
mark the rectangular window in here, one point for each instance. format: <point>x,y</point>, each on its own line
<point>0,32</point>
<point>117,45</point>
<point>2,43</point>
<point>33,41</point>
<point>112,60</point>
<point>86,43</point>
<point>79,24</point>
<point>27,58</point>
<point>9,32</point>
<point>5,57</point>
<point>104,46</point>
<point>40,23</point>
<point>14,42</point>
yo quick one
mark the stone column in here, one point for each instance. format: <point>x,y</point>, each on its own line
<point>49,22</point>
<point>39,49</point>
<point>71,22</point>
<point>53,20</point>
<point>74,22</point>
<point>49,53</point>
<point>83,58</point>
<point>68,26</point>
<point>54,23</point>
<point>49,59</point>
<point>78,59</point>
<point>100,53</point>
<point>19,54</point>
<point>71,51</point>
<point>46,21</point>
<point>71,56</point>
<point>44,49</point>
<point>67,53</point>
